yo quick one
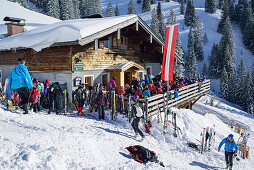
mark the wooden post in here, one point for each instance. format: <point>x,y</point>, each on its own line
<point>146,109</point>
<point>136,25</point>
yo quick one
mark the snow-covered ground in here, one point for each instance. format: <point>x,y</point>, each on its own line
<point>42,141</point>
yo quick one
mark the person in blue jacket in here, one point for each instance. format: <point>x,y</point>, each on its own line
<point>230,144</point>
<point>20,81</point>
<point>146,92</point>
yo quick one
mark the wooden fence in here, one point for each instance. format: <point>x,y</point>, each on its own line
<point>187,96</point>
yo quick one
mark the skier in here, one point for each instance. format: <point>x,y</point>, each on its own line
<point>55,96</point>
<point>80,95</point>
<point>34,97</point>
<point>136,114</point>
<point>230,144</point>
<point>20,81</point>
<point>101,103</point>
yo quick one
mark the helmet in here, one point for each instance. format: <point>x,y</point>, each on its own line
<point>47,81</point>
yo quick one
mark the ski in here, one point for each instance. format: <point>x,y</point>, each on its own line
<point>202,140</point>
<point>206,139</point>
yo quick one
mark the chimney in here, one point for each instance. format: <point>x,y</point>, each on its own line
<point>14,25</point>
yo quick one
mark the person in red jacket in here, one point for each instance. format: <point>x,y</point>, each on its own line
<point>159,90</point>
<point>138,93</point>
<point>121,91</point>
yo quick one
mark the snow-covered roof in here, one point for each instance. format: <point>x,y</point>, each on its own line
<point>82,31</point>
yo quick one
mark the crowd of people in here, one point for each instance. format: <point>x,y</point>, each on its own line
<point>31,94</point>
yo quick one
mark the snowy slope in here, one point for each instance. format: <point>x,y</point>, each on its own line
<point>33,19</point>
<point>71,142</point>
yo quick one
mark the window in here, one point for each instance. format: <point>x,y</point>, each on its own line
<point>141,75</point>
<point>104,77</point>
<point>124,42</point>
<point>108,43</point>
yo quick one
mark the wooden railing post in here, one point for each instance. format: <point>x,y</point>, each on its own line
<point>146,109</point>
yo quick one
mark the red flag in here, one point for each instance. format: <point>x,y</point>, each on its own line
<point>169,53</point>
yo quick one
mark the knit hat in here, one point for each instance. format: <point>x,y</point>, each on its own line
<point>231,136</point>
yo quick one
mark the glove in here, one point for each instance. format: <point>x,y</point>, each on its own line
<point>218,150</point>
<point>235,154</point>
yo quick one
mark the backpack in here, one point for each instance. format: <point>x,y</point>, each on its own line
<point>34,96</point>
<point>139,111</point>
<point>17,98</point>
<point>142,154</point>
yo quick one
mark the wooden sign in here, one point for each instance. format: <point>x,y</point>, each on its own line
<point>77,81</point>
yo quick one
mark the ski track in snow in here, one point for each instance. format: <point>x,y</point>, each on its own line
<point>42,141</point>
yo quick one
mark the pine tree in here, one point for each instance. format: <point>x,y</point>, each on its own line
<point>76,8</point>
<point>224,91</point>
<point>249,101</point>
<point>248,31</point>
<point>110,10</point>
<point>161,20</point>
<point>241,77</point>
<point>65,9</point>
<point>138,1</point>
<point>131,8</point>
<point>155,22</point>
<point>205,39</point>
<point>98,8</point>
<point>233,91</point>
<point>252,7</point>
<point>179,68</point>
<point>146,6</point>
<point>152,1</point>
<point>227,48</point>
<point>210,6</point>
<point>191,62</point>
<point>225,15</point>
<point>190,17</point>
<point>198,44</point>
<point>117,11</point>
<point>214,61</point>
<point>204,70</point>
<point>53,8</point>
<point>182,8</point>
<point>172,18</point>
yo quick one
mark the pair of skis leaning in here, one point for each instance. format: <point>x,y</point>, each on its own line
<point>207,139</point>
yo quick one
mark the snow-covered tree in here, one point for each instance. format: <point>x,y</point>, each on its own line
<point>227,47</point>
<point>179,68</point>
<point>117,11</point>
<point>204,70</point>
<point>233,91</point>
<point>131,8</point>
<point>241,77</point>
<point>214,61</point>
<point>53,9</point>
<point>190,17</point>
<point>146,6</point>
<point>172,18</point>
<point>191,62</point>
<point>182,7</point>
<point>65,9</point>
<point>76,8</point>
<point>210,6</point>
<point>205,39</point>
<point>155,22</point>
<point>90,7</point>
<point>249,102</point>
<point>161,20</point>
<point>110,10</point>
<point>138,1</point>
<point>198,44</point>
<point>248,31</point>
<point>225,15</point>
<point>224,84</point>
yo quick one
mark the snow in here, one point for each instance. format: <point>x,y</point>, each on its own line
<point>63,31</point>
<point>42,141</point>
<point>33,19</point>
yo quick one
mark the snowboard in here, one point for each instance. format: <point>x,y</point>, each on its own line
<point>202,140</point>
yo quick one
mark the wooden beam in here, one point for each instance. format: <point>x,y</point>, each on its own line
<point>96,44</point>
<point>151,39</point>
<point>118,33</point>
<point>136,25</point>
